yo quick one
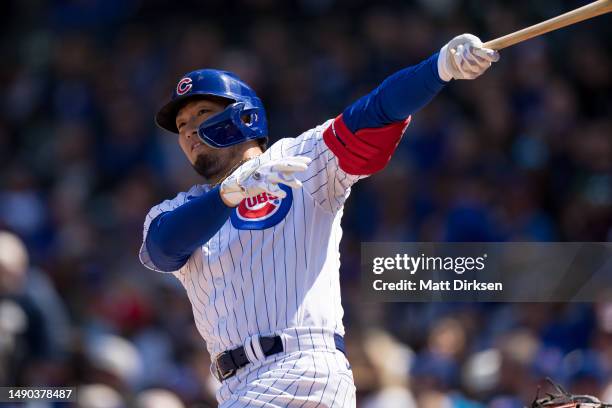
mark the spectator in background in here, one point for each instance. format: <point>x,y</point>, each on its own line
<point>33,321</point>
<point>158,398</point>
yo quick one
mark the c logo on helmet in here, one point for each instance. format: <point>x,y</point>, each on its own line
<point>184,86</point>
<point>262,211</point>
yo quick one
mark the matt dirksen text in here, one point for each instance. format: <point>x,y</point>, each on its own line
<point>430,285</point>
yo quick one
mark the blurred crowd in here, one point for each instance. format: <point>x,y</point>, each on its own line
<point>524,153</point>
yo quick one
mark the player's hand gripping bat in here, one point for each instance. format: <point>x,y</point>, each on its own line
<point>466,57</point>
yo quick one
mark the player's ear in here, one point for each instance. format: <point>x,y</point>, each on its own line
<point>246,119</point>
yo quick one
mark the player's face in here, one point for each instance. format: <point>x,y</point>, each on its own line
<point>207,161</point>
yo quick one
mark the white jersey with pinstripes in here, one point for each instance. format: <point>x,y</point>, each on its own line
<point>283,273</point>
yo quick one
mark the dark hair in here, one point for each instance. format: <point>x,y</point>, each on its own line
<point>263,143</point>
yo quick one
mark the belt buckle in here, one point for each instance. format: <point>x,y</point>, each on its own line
<point>220,375</point>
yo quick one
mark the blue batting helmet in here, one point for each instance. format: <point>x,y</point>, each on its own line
<point>243,119</point>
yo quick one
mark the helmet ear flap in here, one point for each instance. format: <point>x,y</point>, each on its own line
<point>236,124</point>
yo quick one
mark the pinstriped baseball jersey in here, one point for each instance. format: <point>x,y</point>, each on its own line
<point>274,264</point>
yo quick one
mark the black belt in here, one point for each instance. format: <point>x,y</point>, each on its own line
<point>229,361</point>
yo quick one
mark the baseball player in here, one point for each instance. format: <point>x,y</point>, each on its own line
<point>256,246</point>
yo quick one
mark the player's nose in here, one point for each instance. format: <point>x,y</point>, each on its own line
<point>190,131</point>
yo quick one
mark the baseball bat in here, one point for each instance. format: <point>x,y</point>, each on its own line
<point>591,10</point>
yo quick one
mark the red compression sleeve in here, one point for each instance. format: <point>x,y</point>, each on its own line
<point>366,151</point>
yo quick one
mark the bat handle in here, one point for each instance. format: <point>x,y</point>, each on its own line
<point>590,10</point>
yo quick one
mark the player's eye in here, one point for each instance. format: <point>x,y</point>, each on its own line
<point>203,111</point>
<point>180,125</point>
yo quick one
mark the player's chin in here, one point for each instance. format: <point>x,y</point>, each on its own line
<point>207,165</point>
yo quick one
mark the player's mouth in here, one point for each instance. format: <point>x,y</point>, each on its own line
<point>196,145</point>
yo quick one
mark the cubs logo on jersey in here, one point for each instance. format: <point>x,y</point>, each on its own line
<point>262,211</point>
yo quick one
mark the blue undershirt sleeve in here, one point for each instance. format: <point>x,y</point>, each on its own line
<point>174,235</point>
<point>397,97</point>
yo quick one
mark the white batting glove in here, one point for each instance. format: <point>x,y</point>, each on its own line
<point>464,57</point>
<point>254,177</point>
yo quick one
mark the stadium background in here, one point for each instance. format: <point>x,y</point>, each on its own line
<point>523,153</point>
